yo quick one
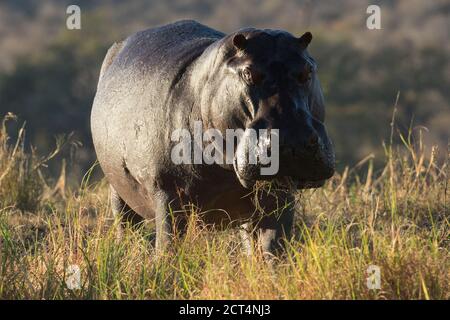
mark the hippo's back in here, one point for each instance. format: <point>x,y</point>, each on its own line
<point>167,48</point>
<point>133,111</point>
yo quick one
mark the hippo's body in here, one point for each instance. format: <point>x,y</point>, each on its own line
<point>152,83</point>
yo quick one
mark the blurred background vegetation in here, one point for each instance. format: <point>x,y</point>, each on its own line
<point>48,74</point>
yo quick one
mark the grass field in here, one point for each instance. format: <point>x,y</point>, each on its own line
<point>395,218</point>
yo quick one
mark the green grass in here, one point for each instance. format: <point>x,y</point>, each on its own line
<point>395,218</point>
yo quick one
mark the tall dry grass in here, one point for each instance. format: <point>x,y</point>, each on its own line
<point>395,218</point>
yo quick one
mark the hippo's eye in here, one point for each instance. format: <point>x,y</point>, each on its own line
<point>305,75</point>
<point>252,76</point>
<point>247,75</point>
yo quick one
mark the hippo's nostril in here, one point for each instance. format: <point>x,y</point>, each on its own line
<point>313,140</point>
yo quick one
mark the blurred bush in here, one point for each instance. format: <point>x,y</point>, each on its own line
<point>48,74</point>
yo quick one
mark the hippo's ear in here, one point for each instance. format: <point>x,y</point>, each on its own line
<point>305,39</point>
<point>240,41</point>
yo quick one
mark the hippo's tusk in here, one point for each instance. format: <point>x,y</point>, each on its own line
<point>244,182</point>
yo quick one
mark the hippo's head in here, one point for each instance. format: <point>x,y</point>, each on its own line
<point>267,80</point>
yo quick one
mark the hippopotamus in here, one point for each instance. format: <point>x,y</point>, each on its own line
<point>174,76</point>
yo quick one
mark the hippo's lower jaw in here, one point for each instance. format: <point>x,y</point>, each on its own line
<point>309,184</point>
<point>248,176</point>
<point>293,184</point>
<point>289,182</point>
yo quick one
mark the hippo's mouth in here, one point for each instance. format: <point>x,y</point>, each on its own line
<point>302,171</point>
<point>288,182</point>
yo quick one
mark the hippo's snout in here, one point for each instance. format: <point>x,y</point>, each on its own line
<point>306,156</point>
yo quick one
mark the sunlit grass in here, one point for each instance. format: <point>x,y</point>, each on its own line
<point>395,218</point>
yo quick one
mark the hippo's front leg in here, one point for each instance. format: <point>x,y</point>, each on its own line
<point>272,230</point>
<point>246,233</point>
<point>163,222</point>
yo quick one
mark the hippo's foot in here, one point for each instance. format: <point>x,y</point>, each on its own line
<point>127,216</point>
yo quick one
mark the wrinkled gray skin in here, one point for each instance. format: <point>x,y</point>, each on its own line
<point>165,78</point>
